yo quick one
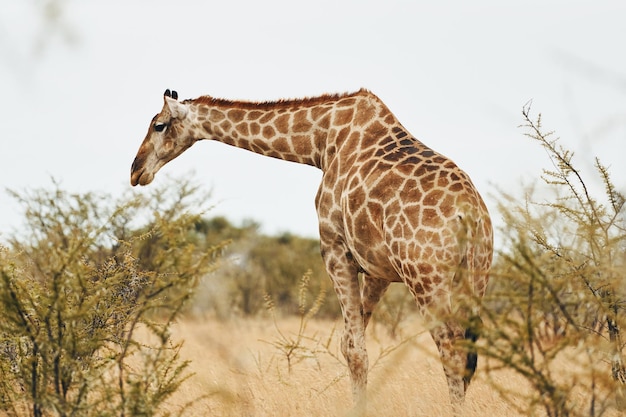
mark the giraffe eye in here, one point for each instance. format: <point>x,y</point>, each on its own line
<point>160,127</point>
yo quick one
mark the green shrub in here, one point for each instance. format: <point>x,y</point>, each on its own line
<point>555,307</point>
<point>87,299</point>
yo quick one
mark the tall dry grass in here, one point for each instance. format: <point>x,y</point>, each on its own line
<point>238,372</point>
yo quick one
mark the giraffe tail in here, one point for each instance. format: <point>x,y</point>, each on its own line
<point>472,332</point>
<point>472,277</point>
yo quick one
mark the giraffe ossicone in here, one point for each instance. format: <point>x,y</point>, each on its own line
<point>389,207</point>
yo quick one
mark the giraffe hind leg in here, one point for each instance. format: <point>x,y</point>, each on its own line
<point>453,357</point>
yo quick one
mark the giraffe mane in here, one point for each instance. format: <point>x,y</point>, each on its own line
<point>281,103</point>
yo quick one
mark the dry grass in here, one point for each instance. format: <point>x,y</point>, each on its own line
<point>240,374</point>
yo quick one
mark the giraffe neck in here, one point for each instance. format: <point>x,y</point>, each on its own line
<point>303,131</point>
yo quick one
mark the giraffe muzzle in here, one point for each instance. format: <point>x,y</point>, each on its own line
<point>138,174</point>
<point>141,178</point>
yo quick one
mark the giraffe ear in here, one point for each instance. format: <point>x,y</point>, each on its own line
<point>177,109</point>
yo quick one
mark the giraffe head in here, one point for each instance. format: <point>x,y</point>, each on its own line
<point>167,138</point>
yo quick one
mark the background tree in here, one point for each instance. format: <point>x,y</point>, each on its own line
<point>255,265</point>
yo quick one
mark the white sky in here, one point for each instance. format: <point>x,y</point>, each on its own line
<point>455,73</point>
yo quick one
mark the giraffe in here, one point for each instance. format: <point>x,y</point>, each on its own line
<point>390,209</point>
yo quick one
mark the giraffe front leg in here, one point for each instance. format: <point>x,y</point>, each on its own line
<point>353,340</point>
<point>355,353</point>
<point>344,274</point>
<point>371,293</point>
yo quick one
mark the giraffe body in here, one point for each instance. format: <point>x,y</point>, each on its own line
<point>389,207</point>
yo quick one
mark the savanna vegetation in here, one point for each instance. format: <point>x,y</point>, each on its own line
<point>104,302</point>
<point>555,310</point>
